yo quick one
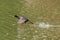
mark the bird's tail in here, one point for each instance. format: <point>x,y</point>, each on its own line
<point>31,22</point>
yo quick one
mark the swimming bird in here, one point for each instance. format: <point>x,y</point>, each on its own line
<point>22,19</point>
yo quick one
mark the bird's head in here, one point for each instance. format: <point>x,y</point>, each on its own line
<point>16,16</point>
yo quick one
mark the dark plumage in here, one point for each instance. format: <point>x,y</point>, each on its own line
<point>16,16</point>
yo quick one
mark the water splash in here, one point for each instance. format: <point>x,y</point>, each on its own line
<point>42,25</point>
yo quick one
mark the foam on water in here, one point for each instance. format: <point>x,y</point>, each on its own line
<point>42,25</point>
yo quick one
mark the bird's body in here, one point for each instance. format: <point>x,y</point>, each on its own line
<point>22,19</point>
